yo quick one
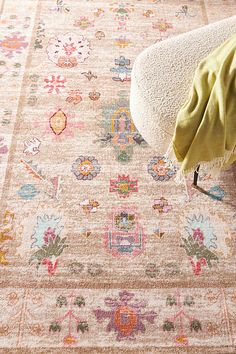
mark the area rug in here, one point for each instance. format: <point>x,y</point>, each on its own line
<point>100,250</point>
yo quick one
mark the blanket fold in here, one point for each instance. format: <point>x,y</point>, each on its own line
<point>205,131</point>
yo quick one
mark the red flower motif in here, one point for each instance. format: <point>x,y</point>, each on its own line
<point>197,267</point>
<point>198,235</point>
<point>49,233</point>
<point>51,267</point>
<point>54,84</point>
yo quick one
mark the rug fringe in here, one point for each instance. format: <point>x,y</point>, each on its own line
<point>212,168</point>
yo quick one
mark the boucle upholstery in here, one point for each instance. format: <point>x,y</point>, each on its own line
<point>162,75</point>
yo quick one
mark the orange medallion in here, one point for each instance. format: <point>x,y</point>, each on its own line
<point>125,319</point>
<point>58,122</point>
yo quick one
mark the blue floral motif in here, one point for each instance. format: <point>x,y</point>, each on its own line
<point>86,168</point>
<point>119,130</point>
<point>28,192</point>
<point>44,223</point>
<point>216,193</point>
<point>203,224</point>
<point>161,169</point>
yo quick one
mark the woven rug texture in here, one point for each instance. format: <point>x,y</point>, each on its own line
<point>100,252</point>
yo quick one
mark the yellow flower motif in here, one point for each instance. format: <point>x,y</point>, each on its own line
<point>162,25</point>
<point>69,340</point>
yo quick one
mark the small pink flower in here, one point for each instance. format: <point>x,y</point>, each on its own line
<point>49,233</point>
<point>198,235</point>
<point>54,83</point>
<point>3,147</point>
<point>162,205</point>
<point>89,206</point>
<point>69,48</point>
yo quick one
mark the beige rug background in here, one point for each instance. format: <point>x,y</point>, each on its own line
<point>92,224</point>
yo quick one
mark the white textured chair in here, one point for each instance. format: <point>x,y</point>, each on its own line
<point>162,75</point>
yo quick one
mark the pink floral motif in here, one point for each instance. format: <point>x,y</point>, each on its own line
<point>124,186</point>
<point>3,147</point>
<point>126,315</point>
<point>124,234</point>
<point>67,50</point>
<point>13,44</point>
<point>49,234</point>
<point>200,243</point>
<point>75,323</point>
<point>198,235</point>
<point>197,264</point>
<point>51,266</point>
<point>122,12</point>
<point>162,205</point>
<point>98,12</point>
<point>89,206</point>
<point>54,83</point>
<point>182,320</point>
<point>72,124</point>
<point>47,243</point>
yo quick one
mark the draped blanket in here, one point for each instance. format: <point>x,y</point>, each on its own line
<point>205,131</point>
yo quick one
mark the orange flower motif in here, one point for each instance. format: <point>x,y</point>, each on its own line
<point>74,97</point>
<point>94,96</point>
<point>162,25</point>
<point>89,206</point>
<point>83,23</point>
<point>148,13</point>
<point>98,12</point>
<point>13,44</point>
<point>65,62</point>
<point>69,340</point>
<point>181,340</point>
<point>4,330</point>
<point>12,298</point>
<point>36,329</point>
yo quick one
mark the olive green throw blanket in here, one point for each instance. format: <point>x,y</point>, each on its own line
<point>205,131</point>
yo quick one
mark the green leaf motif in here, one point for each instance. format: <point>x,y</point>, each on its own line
<point>171,301</point>
<point>61,300</point>
<point>195,326</point>
<point>193,248</point>
<point>54,327</point>
<point>123,156</point>
<point>189,301</point>
<point>168,326</point>
<point>79,301</point>
<point>53,248</point>
<point>82,327</point>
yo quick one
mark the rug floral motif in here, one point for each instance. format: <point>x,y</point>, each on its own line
<point>100,250</point>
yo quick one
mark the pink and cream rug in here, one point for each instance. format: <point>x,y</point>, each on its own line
<point>99,250</point>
